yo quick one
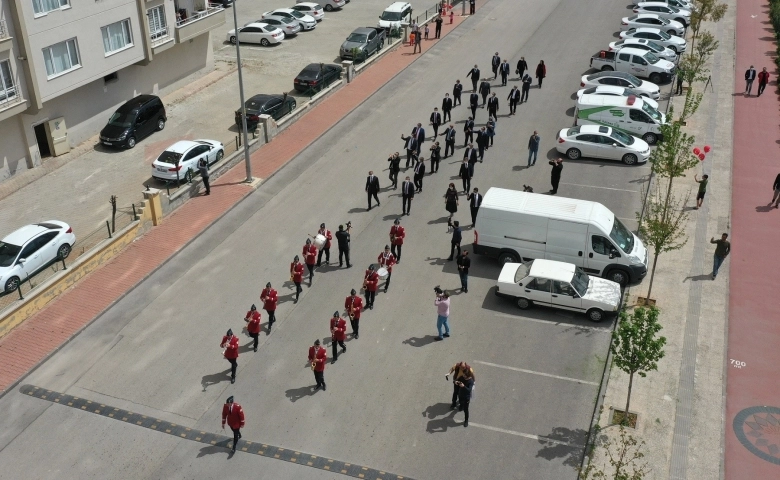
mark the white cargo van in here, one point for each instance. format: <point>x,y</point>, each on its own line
<point>395,16</point>
<point>632,115</point>
<point>518,226</point>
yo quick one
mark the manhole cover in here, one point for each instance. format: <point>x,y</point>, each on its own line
<point>758,429</point>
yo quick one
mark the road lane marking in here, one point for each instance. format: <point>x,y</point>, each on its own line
<point>603,188</point>
<point>532,372</point>
<point>531,436</point>
<point>547,322</point>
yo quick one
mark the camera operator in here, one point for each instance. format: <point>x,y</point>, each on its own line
<point>343,240</point>
<point>442,303</point>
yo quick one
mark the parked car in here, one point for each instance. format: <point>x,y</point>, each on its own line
<point>288,25</point>
<point>672,27</point>
<point>644,44</point>
<point>329,5</point>
<point>180,161</point>
<point>316,76</point>
<point>221,3</point>
<point>549,283</point>
<point>314,10</point>
<point>610,90</point>
<point>261,33</point>
<point>684,4</point>
<point>32,248</point>
<point>276,106</point>
<point>636,62</point>
<point>134,121</point>
<point>663,10</point>
<point>631,115</point>
<point>621,79</point>
<point>597,141</point>
<point>396,15</point>
<point>672,42</point>
<point>306,22</point>
<point>362,43</point>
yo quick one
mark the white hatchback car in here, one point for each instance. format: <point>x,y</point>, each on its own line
<point>671,27</point>
<point>616,92</point>
<point>598,141</point>
<point>550,283</point>
<point>31,248</point>
<point>180,161</point>
<point>307,22</point>
<point>672,42</point>
<point>329,5</point>
<point>289,26</point>
<point>646,45</point>
<point>621,79</point>
<point>314,10</point>
<point>684,4</point>
<point>664,10</point>
<point>261,33</point>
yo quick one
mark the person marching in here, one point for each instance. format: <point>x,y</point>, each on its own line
<point>451,203</point>
<point>395,168</point>
<point>514,97</point>
<point>410,144</point>
<point>353,304</point>
<point>457,237</point>
<point>372,188</point>
<point>338,333</point>
<point>386,259</point>
<point>473,104</point>
<point>527,80</point>
<point>253,324</point>
<point>407,195</point>
<point>343,239</point>
<point>457,372</point>
<point>504,69</point>
<point>317,358</point>
<point>435,157</point>
<point>310,257</point>
<point>541,72</point>
<point>296,276</point>
<point>419,174</point>
<point>397,234</point>
<point>326,248</point>
<point>446,108</point>
<point>468,130</point>
<point>370,285</point>
<point>230,352</point>
<point>233,415</point>
<point>495,62</point>
<point>465,174</point>
<point>457,90</point>
<point>449,141</point>
<point>270,298</point>
<point>492,105</point>
<point>475,201</point>
<point>474,76</point>
<point>435,121</point>
<point>522,66</point>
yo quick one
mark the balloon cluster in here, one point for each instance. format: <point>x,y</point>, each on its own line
<point>702,154</point>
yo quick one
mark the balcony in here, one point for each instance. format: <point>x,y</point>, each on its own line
<point>5,36</point>
<point>191,24</point>
<point>161,40</point>
<point>11,101</point>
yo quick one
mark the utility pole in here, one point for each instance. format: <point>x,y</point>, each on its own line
<point>241,95</point>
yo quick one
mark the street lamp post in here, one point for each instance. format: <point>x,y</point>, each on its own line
<point>241,95</point>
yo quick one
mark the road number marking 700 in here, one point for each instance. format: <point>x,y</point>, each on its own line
<point>738,363</point>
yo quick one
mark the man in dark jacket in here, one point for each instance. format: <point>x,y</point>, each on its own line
<point>407,194</point>
<point>750,75</point>
<point>203,169</point>
<point>555,174</point>
<point>457,237</point>
<point>484,90</point>
<point>449,141</point>
<point>514,98</point>
<point>418,133</point>
<point>468,129</point>
<point>395,167</point>
<point>464,263</point>
<point>474,76</point>
<point>527,80</point>
<point>533,148</point>
<point>482,142</point>
<point>343,239</point>
<point>474,104</point>
<point>492,105</point>
<point>495,62</point>
<point>446,108</point>
<point>503,69</point>
<point>410,144</point>
<point>435,121</point>
<point>419,173</point>
<point>372,188</point>
<point>522,66</point>
<point>475,201</point>
<point>457,89</point>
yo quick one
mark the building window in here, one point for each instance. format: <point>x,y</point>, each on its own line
<point>61,58</point>
<point>116,36</point>
<point>158,28</point>
<point>41,7</point>
<point>7,87</point>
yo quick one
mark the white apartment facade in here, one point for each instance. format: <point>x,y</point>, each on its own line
<point>65,65</point>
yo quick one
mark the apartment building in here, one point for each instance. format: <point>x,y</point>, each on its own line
<point>65,65</point>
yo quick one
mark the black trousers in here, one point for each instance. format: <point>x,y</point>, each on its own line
<point>394,178</point>
<point>387,282</point>
<point>233,366</point>
<point>327,256</point>
<point>206,185</point>
<point>540,81</point>
<point>370,296</point>
<point>335,344</point>
<point>355,326</point>
<point>319,377</point>
<point>236,437</point>
<point>512,106</point>
<point>554,181</point>
<point>372,194</point>
<point>474,84</point>
<point>447,115</point>
<point>466,184</point>
<point>469,139</point>
<point>407,204</point>
<point>455,392</point>
<point>456,99</point>
<point>495,72</point>
<point>435,130</point>
<point>298,290</point>
<point>434,165</point>
<point>493,112</point>
<point>255,336</point>
<point>484,98</point>
<point>481,149</point>
<point>453,246</point>
<point>396,251</point>
<point>449,148</point>
<point>342,254</point>
<point>471,9</point>
<point>465,407</point>
<point>438,30</point>
<point>761,87</point>
<point>418,183</point>
<point>524,94</point>
<point>503,78</point>
<point>474,211</point>
<point>311,272</point>
<point>271,318</point>
<point>410,156</point>
<point>679,89</point>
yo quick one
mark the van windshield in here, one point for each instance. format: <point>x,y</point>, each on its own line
<point>8,254</point>
<point>580,281</point>
<point>120,119</point>
<point>391,16</point>
<point>522,271</point>
<point>654,114</point>
<point>622,236</point>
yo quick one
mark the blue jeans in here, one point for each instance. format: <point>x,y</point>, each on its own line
<point>716,263</point>
<point>464,280</point>
<point>442,321</point>
<point>532,153</point>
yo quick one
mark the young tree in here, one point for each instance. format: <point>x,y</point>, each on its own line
<point>705,11</point>
<point>635,347</point>
<point>623,455</point>
<point>674,155</point>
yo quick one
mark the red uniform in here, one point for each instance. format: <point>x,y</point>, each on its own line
<point>310,254</point>
<point>326,233</point>
<point>319,358</point>
<point>356,304</point>
<point>397,234</point>
<point>338,328</point>
<point>371,280</point>
<point>296,270</point>
<point>270,297</point>
<point>254,322</point>
<point>233,415</point>
<point>387,260</point>
<point>230,346</point>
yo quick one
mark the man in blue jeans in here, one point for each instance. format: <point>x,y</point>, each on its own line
<point>464,262</point>
<point>721,252</point>
<point>533,148</point>
<point>443,309</point>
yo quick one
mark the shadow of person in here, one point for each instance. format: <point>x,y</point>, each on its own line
<point>295,394</point>
<point>215,378</point>
<point>419,341</point>
<point>698,278</point>
<point>218,447</point>
<point>440,425</point>
<point>436,410</point>
<point>248,347</point>
<point>764,208</point>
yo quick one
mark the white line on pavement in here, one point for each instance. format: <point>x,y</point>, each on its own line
<point>546,322</point>
<point>549,375</point>
<point>603,188</point>
<point>526,435</point>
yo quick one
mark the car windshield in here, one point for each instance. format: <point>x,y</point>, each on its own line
<point>357,38</point>
<point>674,9</point>
<point>8,254</point>
<point>391,16</point>
<point>124,120</point>
<point>169,157</point>
<point>590,90</point>
<point>522,271</point>
<point>650,57</point>
<point>296,14</point>
<point>622,236</point>
<point>664,35</point>
<point>580,281</point>
<point>654,114</point>
<point>655,46</point>
<point>622,137</point>
<point>663,21</point>
<point>573,131</point>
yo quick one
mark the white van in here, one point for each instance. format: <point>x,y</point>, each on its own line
<point>396,15</point>
<point>518,226</point>
<point>632,115</point>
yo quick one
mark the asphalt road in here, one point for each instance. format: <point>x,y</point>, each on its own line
<point>156,352</point>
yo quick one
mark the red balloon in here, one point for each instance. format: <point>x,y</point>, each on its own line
<point>707,149</point>
<point>701,157</point>
<point>696,151</point>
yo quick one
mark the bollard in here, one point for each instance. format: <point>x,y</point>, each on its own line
<point>236,142</point>
<point>108,227</point>
<point>63,264</point>
<point>19,289</point>
<point>426,14</point>
<point>168,188</point>
<point>135,215</point>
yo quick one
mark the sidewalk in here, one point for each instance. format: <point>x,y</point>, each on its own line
<point>41,335</point>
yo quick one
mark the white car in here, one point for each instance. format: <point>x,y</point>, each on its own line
<point>598,141</point>
<point>647,45</point>
<point>549,283</point>
<point>664,10</point>
<point>314,10</point>
<point>261,33</point>
<point>289,26</point>
<point>616,92</point>
<point>621,79</point>
<point>330,5</point>
<point>672,42</point>
<point>671,27</point>
<point>30,249</point>
<point>179,162</point>
<point>684,4</point>
<point>307,22</point>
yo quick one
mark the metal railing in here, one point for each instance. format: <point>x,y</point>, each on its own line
<point>9,95</point>
<point>160,36</point>
<point>210,10</point>
<point>3,29</point>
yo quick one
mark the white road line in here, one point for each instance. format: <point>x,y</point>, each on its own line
<point>603,188</point>
<point>526,435</point>
<point>549,375</point>
<point>546,322</point>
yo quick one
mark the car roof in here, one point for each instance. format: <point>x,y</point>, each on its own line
<point>590,99</point>
<point>285,10</point>
<point>610,73</point>
<point>363,30</point>
<point>181,146</point>
<point>397,6</point>
<point>137,102</point>
<point>260,24</point>
<point>261,99</point>
<point>600,129</point>
<point>607,88</point>
<point>309,4</point>
<point>22,235</point>
<point>552,269</point>
<point>646,15</point>
<point>631,40</point>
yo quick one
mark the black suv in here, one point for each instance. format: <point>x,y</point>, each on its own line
<point>136,119</point>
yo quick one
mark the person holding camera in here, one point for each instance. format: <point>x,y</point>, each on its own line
<point>457,371</point>
<point>465,384</point>
<point>442,303</point>
<point>395,168</point>
<point>343,240</point>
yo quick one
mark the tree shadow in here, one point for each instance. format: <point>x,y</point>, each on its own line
<point>215,378</point>
<point>295,394</point>
<point>440,425</point>
<point>420,341</point>
<point>570,449</point>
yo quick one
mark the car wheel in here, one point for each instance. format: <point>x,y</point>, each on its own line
<point>618,276</point>
<point>655,78</point>
<point>650,138</point>
<point>629,159</point>
<point>328,8</point>
<point>674,49</point>
<point>381,46</point>
<point>233,40</point>
<point>188,176</point>
<point>131,142</point>
<point>507,257</point>
<point>606,68</point>
<point>220,154</point>
<point>524,303</point>
<point>63,251</point>
<point>293,105</point>
<point>573,154</point>
<point>264,42</point>
<point>682,21</point>
<point>595,315</point>
<point>11,284</point>
<point>160,124</point>
<point>672,32</point>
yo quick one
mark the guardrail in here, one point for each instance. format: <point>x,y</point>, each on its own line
<point>9,95</point>
<point>160,36</point>
<point>3,29</point>
<point>210,10</point>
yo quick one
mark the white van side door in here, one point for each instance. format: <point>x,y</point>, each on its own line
<point>566,242</point>
<point>600,249</point>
